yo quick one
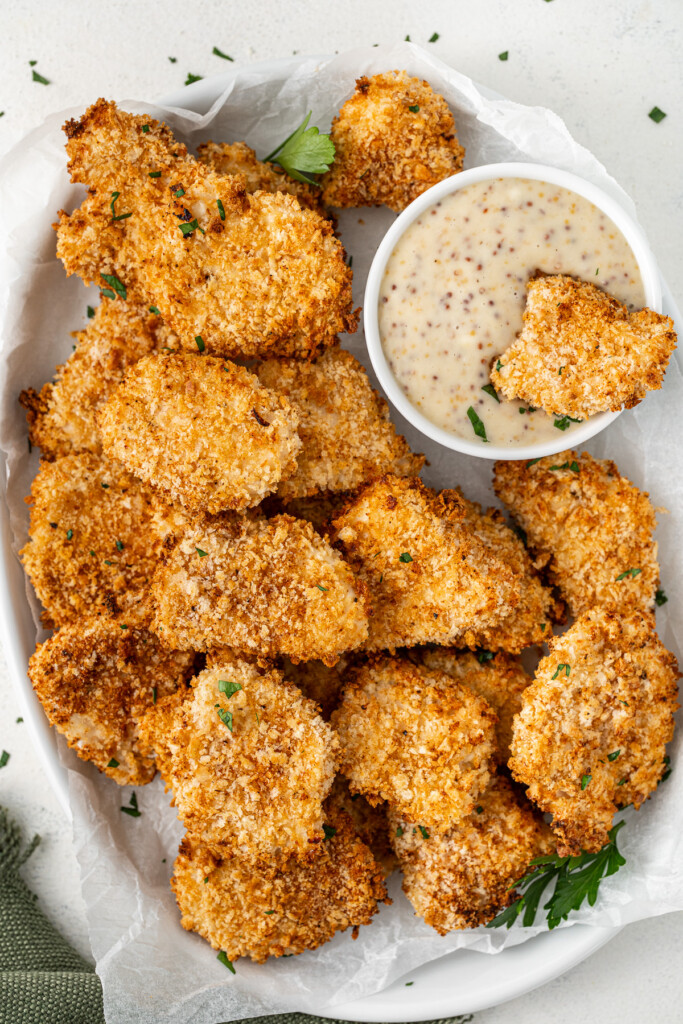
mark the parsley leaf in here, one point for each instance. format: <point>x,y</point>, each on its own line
<point>628,572</point>
<point>200,343</point>
<point>405,557</point>
<point>414,109</point>
<point>113,763</point>
<point>503,56</point>
<point>490,390</point>
<point>153,309</point>
<point>4,758</point>
<point>114,214</point>
<point>532,462</point>
<point>192,78</point>
<point>223,957</point>
<point>155,174</point>
<point>132,808</point>
<point>477,425</point>
<point>46,81</point>
<point>320,587</point>
<point>565,421</point>
<point>484,656</point>
<point>225,716</point>
<point>567,669</point>
<point>219,53</point>
<point>655,114</point>
<point>585,781</point>
<point>187,229</point>
<point>114,283</point>
<point>399,830</point>
<point>660,598</point>
<point>227,687</point>
<point>221,208</point>
<point>329,831</point>
<point>434,36</point>
<point>90,311</point>
<point>202,554</point>
<point>304,152</point>
<point>423,832</point>
<point>614,755</point>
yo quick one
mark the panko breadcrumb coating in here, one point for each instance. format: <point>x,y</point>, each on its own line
<point>464,878</point>
<point>370,824</point>
<point>268,909</point>
<point>594,724</point>
<point>531,620</point>
<point>319,682</point>
<point>416,738</point>
<point>95,679</point>
<point>394,138</point>
<point>61,416</point>
<point>269,586</point>
<point>347,436</point>
<point>248,758</point>
<point>250,275</point>
<point>500,680</point>
<point>581,352</point>
<point>429,577</point>
<point>590,526</point>
<point>201,430</point>
<point>95,538</point>
<point>239,158</point>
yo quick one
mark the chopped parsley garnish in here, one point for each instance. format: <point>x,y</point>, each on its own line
<point>113,763</point>
<point>559,372</point>
<point>622,781</point>
<point>202,554</point>
<point>574,466</point>
<point>145,128</point>
<point>268,911</point>
<point>69,534</point>
<point>20,719</point>
<point>200,343</point>
<point>304,152</point>
<point>106,486</point>
<point>114,214</point>
<point>585,781</point>
<point>221,208</point>
<point>629,572</point>
<point>566,668</point>
<point>132,808</point>
<point>484,656</point>
<point>490,390</point>
<point>563,422</point>
<point>116,287</point>
<point>155,310</point>
<point>614,755</point>
<point>660,598</point>
<point>227,687</point>
<point>499,365</point>
<point>123,626</point>
<point>655,114</point>
<point>154,695</point>
<point>668,771</point>
<point>225,716</point>
<point>423,832</point>
<point>405,557</point>
<point>479,809</point>
<point>543,626</point>
<point>173,59</point>
<point>179,192</point>
<point>223,957</point>
<point>320,587</point>
<point>504,55</point>
<point>187,229</point>
<point>407,39</point>
<point>477,425</point>
<point>575,878</point>
<point>329,831</point>
<point>415,109</point>
<point>399,831</point>
<point>409,983</point>
<point>90,311</point>
<point>532,462</point>
<point>155,174</point>
<point>219,53</point>
<point>120,545</point>
<point>4,758</point>
<point>434,36</point>
<point>92,553</point>
<point>107,562</point>
<point>597,271</point>
<point>46,81</point>
<point>192,78</point>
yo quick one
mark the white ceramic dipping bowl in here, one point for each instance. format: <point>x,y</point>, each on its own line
<point>536,172</point>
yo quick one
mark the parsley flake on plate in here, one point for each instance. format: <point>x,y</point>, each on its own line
<point>192,78</point>
<point>46,81</point>
<point>4,758</point>
<point>434,36</point>
<point>219,53</point>
<point>504,55</point>
<point>660,598</point>
<point>132,808</point>
<point>303,153</point>
<point>656,115</point>
<point>223,957</point>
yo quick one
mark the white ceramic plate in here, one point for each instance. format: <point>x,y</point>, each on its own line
<point>458,983</point>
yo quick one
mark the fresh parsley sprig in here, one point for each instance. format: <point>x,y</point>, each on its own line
<point>304,152</point>
<point>576,879</point>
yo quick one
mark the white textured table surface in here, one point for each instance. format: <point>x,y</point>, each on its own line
<point>601,66</point>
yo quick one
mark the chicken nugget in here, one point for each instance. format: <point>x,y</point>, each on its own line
<point>249,275</point>
<point>278,909</point>
<point>201,430</point>
<point>416,738</point>
<point>394,139</point>
<point>95,679</point>
<point>61,416</point>
<point>581,352</point>
<point>96,536</point>
<point>371,824</point>
<point>239,158</point>
<point>248,758</point>
<point>594,724</point>
<point>590,527</point>
<point>498,678</point>
<point>319,682</point>
<point>270,587</point>
<point>429,578</point>
<point>463,878</point>
<point>347,436</point>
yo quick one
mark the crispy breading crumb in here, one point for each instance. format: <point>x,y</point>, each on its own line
<point>95,679</point>
<point>267,586</point>
<point>594,724</point>
<point>346,433</point>
<point>203,431</point>
<point>590,526</point>
<point>370,823</point>
<point>463,878</point>
<point>415,738</point>
<point>394,138</point>
<point>278,909</point>
<point>319,682</point>
<point>248,758</point>
<point>429,578</point>
<point>581,352</point>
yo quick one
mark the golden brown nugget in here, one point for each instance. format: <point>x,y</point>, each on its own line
<point>238,158</point>
<point>347,436</point>
<point>429,578</point>
<point>532,618</point>
<point>590,527</point>
<point>415,738</point>
<point>61,416</point>
<point>463,878</point>
<point>498,678</point>
<point>394,138</point>
<point>247,275</point>
<point>319,682</point>
<point>592,732</point>
<point>371,824</point>
<point>95,538</point>
<point>581,352</point>
<point>248,758</point>
<point>95,679</point>
<point>203,431</point>
<point>270,587</point>
<point>278,909</point>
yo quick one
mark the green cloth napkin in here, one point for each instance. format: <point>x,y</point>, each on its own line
<point>42,979</point>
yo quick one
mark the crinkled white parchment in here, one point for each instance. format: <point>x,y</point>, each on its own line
<point>151,969</point>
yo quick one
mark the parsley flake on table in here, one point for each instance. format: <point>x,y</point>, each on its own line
<point>4,758</point>
<point>303,153</point>
<point>660,598</point>
<point>192,78</point>
<point>90,311</point>
<point>434,36</point>
<point>132,808</point>
<point>219,53</point>
<point>116,287</point>
<point>39,78</point>
<point>173,60</point>
<point>223,957</point>
<point>477,424</point>
<point>656,115</point>
<point>504,55</point>
<point>114,214</point>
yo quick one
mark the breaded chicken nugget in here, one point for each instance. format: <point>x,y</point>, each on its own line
<point>95,538</point>
<point>238,158</point>
<point>347,436</point>
<point>530,621</point>
<point>580,351</point>
<point>61,416</point>
<point>463,878</point>
<point>248,758</point>
<point>394,138</point>
<point>370,824</point>
<point>498,678</point>
<point>268,909</point>
<point>590,526</point>
<point>319,682</point>
<point>416,738</point>
<point>591,735</point>
<point>95,679</point>
<point>429,577</point>
<point>249,275</point>
<point>271,587</point>
<point>201,430</point>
